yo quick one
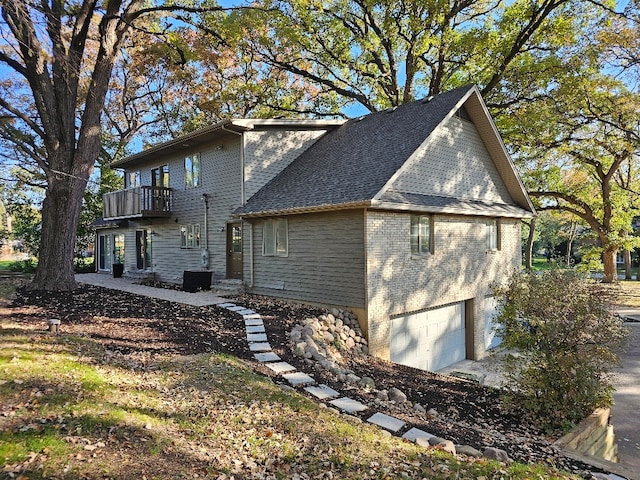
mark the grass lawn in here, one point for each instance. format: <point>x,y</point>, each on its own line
<point>72,409</point>
<point>4,264</point>
<point>629,295</point>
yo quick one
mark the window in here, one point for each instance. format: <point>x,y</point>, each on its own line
<point>190,236</point>
<point>118,248</point>
<point>160,176</point>
<point>275,241</point>
<point>192,170</point>
<point>492,234</point>
<point>421,234</point>
<point>133,179</point>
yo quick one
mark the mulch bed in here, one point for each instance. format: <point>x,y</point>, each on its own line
<point>141,327</point>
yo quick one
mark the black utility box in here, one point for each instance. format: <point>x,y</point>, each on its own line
<point>192,281</point>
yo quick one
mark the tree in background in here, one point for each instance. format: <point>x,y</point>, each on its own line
<point>565,339</point>
<point>61,56</point>
<point>579,158</point>
<point>210,77</point>
<point>25,227</point>
<point>384,53</point>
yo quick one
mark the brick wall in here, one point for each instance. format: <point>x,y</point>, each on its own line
<point>459,269</point>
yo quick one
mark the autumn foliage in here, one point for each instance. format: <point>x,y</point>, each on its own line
<point>563,340</point>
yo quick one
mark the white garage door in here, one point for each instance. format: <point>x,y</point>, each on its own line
<point>491,338</point>
<point>429,340</point>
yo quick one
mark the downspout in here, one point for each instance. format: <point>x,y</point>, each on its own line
<point>251,256</point>
<point>205,250</point>
<point>243,199</point>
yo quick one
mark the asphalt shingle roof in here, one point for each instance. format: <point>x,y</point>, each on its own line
<point>352,163</point>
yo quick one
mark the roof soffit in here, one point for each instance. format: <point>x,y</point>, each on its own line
<point>220,131</point>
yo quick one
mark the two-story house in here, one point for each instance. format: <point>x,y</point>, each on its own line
<point>405,217</point>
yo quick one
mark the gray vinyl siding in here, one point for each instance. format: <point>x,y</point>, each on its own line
<point>268,152</point>
<point>454,163</point>
<point>221,179</point>
<point>325,262</point>
<point>265,154</point>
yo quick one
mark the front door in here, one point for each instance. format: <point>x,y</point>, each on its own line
<point>142,250</point>
<point>234,250</point>
<point>104,253</point>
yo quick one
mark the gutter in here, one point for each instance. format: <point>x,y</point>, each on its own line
<point>392,207</point>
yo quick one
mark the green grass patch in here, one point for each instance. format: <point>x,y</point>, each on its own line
<point>73,410</point>
<point>542,264</point>
<point>4,264</point>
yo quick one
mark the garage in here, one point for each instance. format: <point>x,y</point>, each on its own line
<point>429,340</point>
<point>491,337</point>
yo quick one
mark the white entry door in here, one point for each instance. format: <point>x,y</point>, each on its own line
<point>429,340</point>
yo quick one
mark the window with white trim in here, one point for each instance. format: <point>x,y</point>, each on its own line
<point>275,238</point>
<point>133,179</point>
<point>492,234</point>
<point>190,236</point>
<point>421,234</point>
<point>192,171</point>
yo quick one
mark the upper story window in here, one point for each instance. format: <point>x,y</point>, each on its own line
<point>133,179</point>
<point>421,234</point>
<point>275,238</point>
<point>492,234</point>
<point>192,170</point>
<point>160,176</point>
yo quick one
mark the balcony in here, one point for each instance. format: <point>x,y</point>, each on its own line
<point>138,202</point>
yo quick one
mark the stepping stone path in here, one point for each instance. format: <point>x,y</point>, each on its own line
<point>259,344</point>
<point>386,421</point>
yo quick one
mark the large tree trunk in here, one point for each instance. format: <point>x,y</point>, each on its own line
<point>528,254</point>
<point>609,260</point>
<point>627,264</point>
<point>60,216</point>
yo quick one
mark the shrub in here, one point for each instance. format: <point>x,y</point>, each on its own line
<point>563,341</point>
<point>23,266</point>
<point>83,265</point>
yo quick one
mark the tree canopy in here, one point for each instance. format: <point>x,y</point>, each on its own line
<point>61,58</point>
<point>85,77</point>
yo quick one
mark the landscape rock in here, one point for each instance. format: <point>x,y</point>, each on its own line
<point>423,442</point>
<point>447,446</point>
<point>367,382</point>
<point>433,441</point>
<point>383,395</point>
<point>395,395</point>
<point>352,378</point>
<point>493,453</point>
<point>468,451</point>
